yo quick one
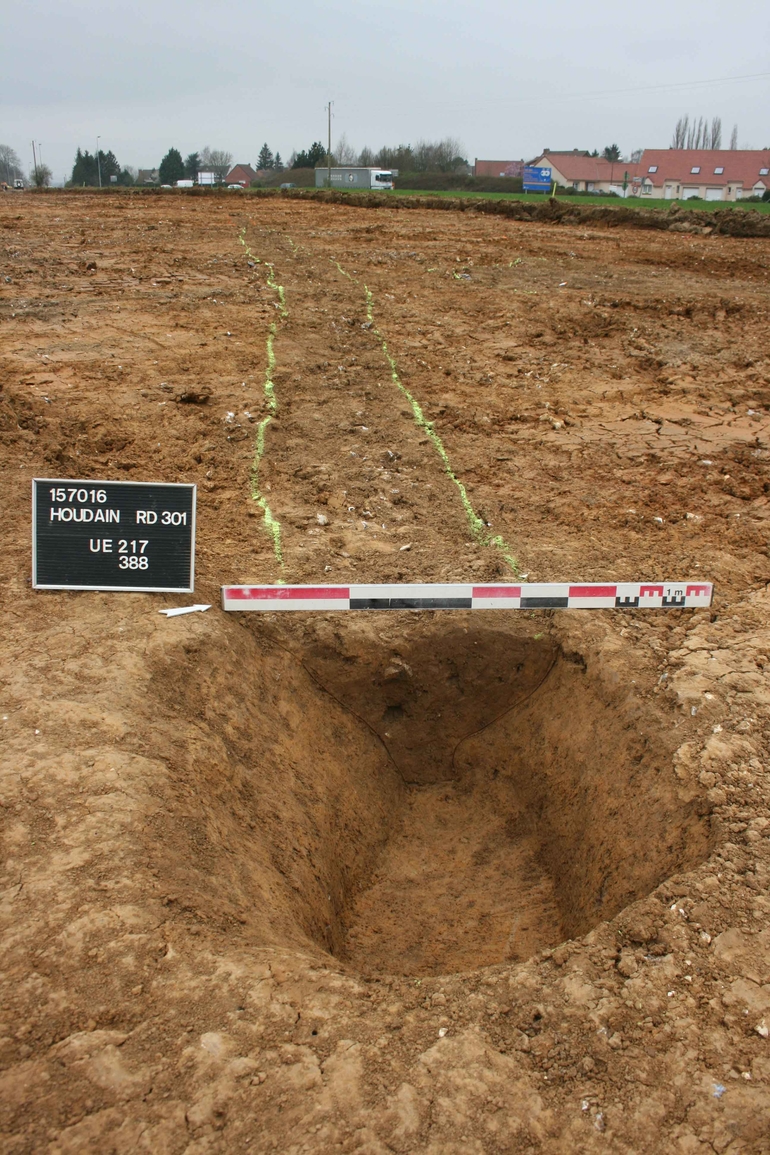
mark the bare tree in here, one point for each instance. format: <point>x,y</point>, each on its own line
<point>636,155</point>
<point>716,132</point>
<point>426,156</point>
<point>679,139</point>
<point>216,160</point>
<point>344,153</point>
<point>400,157</point>
<point>10,165</point>
<point>40,176</point>
<point>734,137</point>
<point>695,134</point>
<point>439,156</point>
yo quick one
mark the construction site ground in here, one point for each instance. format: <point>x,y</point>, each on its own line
<point>452,883</point>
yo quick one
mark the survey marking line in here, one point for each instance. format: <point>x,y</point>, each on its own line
<point>270,521</point>
<point>479,527</point>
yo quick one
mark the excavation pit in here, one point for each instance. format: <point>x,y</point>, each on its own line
<point>431,796</point>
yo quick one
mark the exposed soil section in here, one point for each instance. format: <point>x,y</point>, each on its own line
<point>383,882</point>
<point>425,688</point>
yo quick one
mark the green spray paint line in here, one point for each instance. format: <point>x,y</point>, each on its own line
<point>249,254</point>
<point>271,523</point>
<point>477,523</point>
<point>278,289</point>
<point>343,271</point>
<point>269,386</point>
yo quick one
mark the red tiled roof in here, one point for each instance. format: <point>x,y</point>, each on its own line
<point>740,166</point>
<point>573,166</point>
<point>241,172</point>
<point>498,167</point>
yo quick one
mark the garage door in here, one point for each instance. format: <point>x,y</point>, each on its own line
<point>690,192</point>
<point>713,194</point>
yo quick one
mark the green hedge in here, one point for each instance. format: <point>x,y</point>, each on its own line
<point>444,181</point>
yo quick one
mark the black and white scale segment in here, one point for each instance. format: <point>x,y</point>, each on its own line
<point>459,596</point>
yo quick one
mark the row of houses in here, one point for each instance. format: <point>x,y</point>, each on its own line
<point>668,173</point>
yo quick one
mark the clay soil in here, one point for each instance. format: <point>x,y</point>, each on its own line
<point>444,882</point>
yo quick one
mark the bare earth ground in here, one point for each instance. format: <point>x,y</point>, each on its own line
<point>467,883</point>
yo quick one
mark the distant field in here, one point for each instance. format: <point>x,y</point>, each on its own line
<point>632,202</point>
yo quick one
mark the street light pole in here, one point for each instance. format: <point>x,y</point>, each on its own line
<point>98,161</point>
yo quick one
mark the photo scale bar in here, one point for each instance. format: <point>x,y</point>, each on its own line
<point>458,596</point>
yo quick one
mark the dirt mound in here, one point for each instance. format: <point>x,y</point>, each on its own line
<point>732,222</point>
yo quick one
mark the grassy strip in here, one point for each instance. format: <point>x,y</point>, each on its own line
<point>608,202</point>
<point>272,525</point>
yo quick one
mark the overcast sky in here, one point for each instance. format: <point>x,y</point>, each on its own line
<point>507,79</point>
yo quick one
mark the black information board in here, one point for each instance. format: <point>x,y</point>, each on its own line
<point>113,535</point>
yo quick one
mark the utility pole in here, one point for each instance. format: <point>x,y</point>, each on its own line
<point>329,147</point>
<point>34,160</point>
<point>98,161</point>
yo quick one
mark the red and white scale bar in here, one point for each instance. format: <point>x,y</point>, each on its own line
<point>459,596</point>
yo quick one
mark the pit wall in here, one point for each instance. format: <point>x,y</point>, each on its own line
<point>277,801</point>
<point>594,767</point>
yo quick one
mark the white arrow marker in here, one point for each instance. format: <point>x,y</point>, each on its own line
<point>183,610</point>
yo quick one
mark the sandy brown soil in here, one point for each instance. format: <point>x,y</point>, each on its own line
<point>441,883</point>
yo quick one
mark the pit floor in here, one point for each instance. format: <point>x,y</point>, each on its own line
<point>453,891</point>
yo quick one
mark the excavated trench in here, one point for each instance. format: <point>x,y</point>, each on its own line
<point>422,795</point>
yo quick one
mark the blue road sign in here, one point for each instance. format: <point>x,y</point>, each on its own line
<point>536,179</point>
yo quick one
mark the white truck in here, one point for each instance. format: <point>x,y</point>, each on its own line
<point>355,177</point>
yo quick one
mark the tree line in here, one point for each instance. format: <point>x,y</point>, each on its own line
<point>93,169</point>
<point>424,156</point>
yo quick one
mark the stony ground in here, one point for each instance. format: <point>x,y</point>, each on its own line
<point>192,818</point>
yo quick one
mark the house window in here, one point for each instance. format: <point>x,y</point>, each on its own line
<point>695,168</point>
<point>763,171</point>
<point>719,170</point>
<point>652,168</point>
<point>589,186</point>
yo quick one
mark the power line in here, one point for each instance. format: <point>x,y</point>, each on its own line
<point>684,84</point>
<point>539,98</point>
